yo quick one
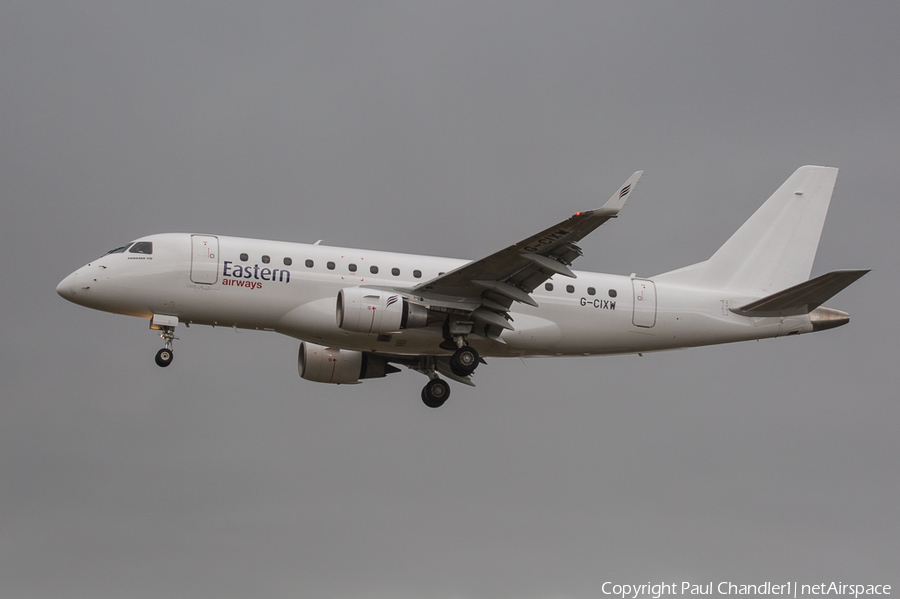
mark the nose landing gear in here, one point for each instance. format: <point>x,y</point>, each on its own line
<point>166,327</point>
<point>165,355</point>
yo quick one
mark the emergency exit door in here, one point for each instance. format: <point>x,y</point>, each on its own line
<point>204,259</point>
<point>644,303</point>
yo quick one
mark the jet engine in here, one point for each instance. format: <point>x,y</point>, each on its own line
<point>340,366</point>
<point>371,311</point>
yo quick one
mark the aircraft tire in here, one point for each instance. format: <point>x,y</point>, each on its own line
<point>164,357</point>
<point>464,361</point>
<point>435,393</point>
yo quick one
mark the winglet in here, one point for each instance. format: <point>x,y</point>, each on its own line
<point>615,203</point>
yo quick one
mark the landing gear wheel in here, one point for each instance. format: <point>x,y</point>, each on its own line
<point>435,393</point>
<point>164,357</point>
<point>464,361</point>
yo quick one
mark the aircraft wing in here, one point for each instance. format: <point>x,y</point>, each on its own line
<point>488,286</point>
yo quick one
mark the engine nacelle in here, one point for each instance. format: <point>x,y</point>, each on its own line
<point>372,311</point>
<point>339,366</point>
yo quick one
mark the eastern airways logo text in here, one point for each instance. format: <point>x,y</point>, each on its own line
<point>254,272</point>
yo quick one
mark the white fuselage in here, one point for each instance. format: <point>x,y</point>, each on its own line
<point>291,288</point>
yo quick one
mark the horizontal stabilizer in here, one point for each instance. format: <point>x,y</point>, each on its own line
<point>802,298</point>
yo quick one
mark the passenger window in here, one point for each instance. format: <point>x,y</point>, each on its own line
<point>549,286</point>
<point>612,293</point>
<point>288,261</point>
<point>352,267</point>
<point>570,288</point>
<point>244,257</point>
<point>592,291</point>
<point>141,247</point>
<point>417,274</point>
<point>373,270</point>
<point>309,264</point>
<point>119,250</point>
<point>395,272</point>
<point>266,259</point>
<point>330,266</point>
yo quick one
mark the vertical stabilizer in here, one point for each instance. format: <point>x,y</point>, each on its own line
<point>776,247</point>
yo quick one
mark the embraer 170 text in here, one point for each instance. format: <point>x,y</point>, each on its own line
<point>358,313</point>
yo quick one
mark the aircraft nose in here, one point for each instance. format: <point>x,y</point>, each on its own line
<point>66,287</point>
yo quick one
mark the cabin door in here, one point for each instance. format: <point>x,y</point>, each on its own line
<point>204,259</point>
<point>644,303</point>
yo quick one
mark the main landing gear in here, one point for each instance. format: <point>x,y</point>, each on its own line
<point>463,362</point>
<point>165,355</point>
<point>435,392</point>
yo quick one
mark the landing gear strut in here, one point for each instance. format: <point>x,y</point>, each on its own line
<point>165,355</point>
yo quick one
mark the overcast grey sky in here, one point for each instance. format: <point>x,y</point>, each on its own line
<point>447,129</point>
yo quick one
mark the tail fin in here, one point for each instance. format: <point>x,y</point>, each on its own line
<point>776,247</point>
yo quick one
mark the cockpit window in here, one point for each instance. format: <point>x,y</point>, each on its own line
<point>119,250</point>
<point>142,247</point>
